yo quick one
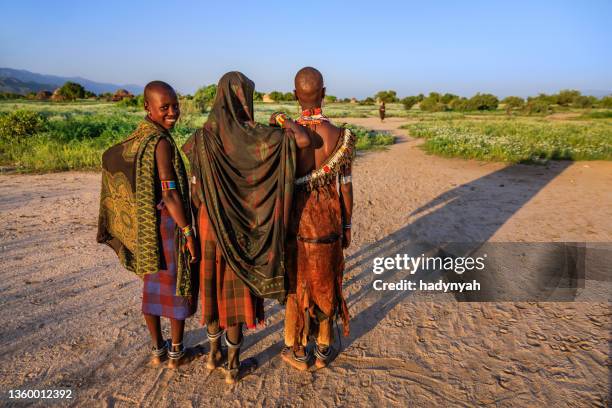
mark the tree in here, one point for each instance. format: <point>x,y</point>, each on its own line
<point>71,91</point>
<point>606,102</point>
<point>483,102</point>
<point>447,98</point>
<point>548,99</point>
<point>367,101</point>
<point>432,103</point>
<point>258,96</point>
<point>513,102</point>
<point>567,97</point>
<point>276,96</point>
<point>409,102</point>
<point>460,104</point>
<point>330,98</point>
<point>387,96</point>
<point>584,101</point>
<point>204,97</point>
<point>537,105</point>
<point>289,96</point>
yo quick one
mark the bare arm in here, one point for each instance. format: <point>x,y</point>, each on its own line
<point>172,200</point>
<point>302,139</point>
<point>346,190</point>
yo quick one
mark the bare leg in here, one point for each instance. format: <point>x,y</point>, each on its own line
<point>154,326</point>
<point>177,327</point>
<point>234,333</point>
<point>215,356</point>
<point>159,352</point>
<point>178,354</point>
<point>235,368</point>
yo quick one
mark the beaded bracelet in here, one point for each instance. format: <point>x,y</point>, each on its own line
<point>347,226</point>
<point>280,119</point>
<point>168,185</point>
<point>187,231</point>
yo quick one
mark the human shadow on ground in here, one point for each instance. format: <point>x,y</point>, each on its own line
<point>470,213</point>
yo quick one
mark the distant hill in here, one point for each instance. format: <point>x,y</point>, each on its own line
<point>13,85</point>
<point>22,81</point>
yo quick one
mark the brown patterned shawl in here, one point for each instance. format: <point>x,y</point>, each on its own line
<point>245,173</point>
<point>128,221</point>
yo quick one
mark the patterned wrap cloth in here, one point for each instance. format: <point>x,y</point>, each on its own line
<point>128,220</point>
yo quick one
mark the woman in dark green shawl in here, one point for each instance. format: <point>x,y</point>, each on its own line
<point>242,183</point>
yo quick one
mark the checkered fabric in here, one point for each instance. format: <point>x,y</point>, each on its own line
<point>225,297</point>
<point>159,290</point>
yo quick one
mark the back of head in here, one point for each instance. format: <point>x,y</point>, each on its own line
<point>309,88</point>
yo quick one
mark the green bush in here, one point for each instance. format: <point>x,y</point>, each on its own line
<point>20,124</point>
<point>567,97</point>
<point>134,102</point>
<point>584,102</point>
<point>389,96</point>
<point>367,101</point>
<point>330,98</point>
<point>606,102</point>
<point>370,139</point>
<point>433,103</point>
<point>513,102</point>
<point>483,102</point>
<point>537,106</point>
<point>447,98</point>
<point>513,141</point>
<point>460,104</point>
<point>204,97</point>
<point>71,91</point>
<point>409,102</point>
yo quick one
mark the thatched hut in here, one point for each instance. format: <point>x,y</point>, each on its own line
<point>56,96</point>
<point>266,98</point>
<point>43,95</point>
<point>121,94</point>
<point>353,100</point>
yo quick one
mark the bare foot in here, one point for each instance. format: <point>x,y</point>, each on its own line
<point>299,362</point>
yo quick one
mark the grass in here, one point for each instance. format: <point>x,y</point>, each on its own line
<point>516,139</point>
<point>603,114</point>
<point>76,134</point>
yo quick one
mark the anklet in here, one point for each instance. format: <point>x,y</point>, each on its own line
<point>175,355</point>
<point>160,352</point>
<point>214,336</point>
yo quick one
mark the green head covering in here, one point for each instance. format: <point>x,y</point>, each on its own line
<point>246,172</point>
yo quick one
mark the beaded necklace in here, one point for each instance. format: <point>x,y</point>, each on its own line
<point>311,117</point>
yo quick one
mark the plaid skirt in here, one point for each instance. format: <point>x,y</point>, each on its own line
<point>225,298</point>
<point>159,290</point>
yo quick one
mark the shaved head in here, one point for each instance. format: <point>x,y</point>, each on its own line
<point>157,87</point>
<point>309,88</point>
<point>161,104</point>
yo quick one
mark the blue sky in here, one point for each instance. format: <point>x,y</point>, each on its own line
<point>503,47</point>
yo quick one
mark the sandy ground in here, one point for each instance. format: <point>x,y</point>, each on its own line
<point>71,316</point>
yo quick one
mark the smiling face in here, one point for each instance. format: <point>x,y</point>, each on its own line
<point>163,107</point>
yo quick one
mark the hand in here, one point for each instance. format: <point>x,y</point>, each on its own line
<point>346,239</point>
<point>192,246</point>
<point>272,121</point>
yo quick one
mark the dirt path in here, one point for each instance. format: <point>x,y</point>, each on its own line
<point>71,315</point>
